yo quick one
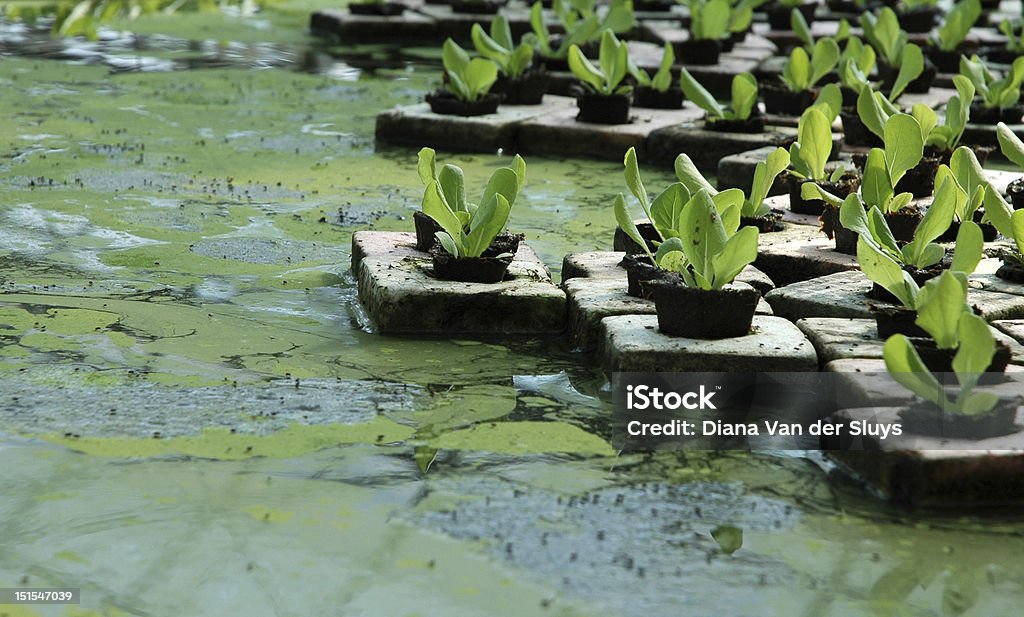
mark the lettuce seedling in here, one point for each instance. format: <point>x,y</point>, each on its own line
<point>946,136</point>
<point>973,357</point>
<point>711,249</point>
<point>884,34</point>
<point>994,92</point>
<point>810,152</point>
<point>957,24</point>
<point>1010,145</point>
<point>966,173</point>
<point>468,228</point>
<point>802,72</point>
<point>498,47</point>
<point>469,80</point>
<point>709,19</point>
<point>856,63</point>
<point>605,79</point>
<point>581,21</point>
<point>765,173</point>
<point>1014,41</point>
<point>662,79</point>
<point>802,30</point>
<point>744,97</point>
<point>1006,220</point>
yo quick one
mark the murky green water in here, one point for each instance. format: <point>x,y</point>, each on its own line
<point>194,419</point>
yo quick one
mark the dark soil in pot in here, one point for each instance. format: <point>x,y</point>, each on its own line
<point>640,271</point>
<point>896,319</point>
<point>778,99</point>
<point>1011,271</point>
<point>445,103</point>
<point>855,133</point>
<point>738,37</point>
<point>426,227</point>
<point>903,223</point>
<point>798,205</point>
<point>919,20</point>
<point>649,98</point>
<point>988,232</point>
<point>1015,191</point>
<point>984,115</point>
<point>381,9</point>
<point>941,360</point>
<point>753,124</point>
<point>921,85</point>
<point>779,15</point>
<point>526,89</point>
<point>622,242</point>
<point>726,44</point>
<point>601,109</point>
<point>924,418</point>
<point>846,240</point>
<point>549,64</point>
<point>851,7</point>
<point>920,181</point>
<point>849,98</point>
<point>949,61</point>
<point>703,314</point>
<point>469,269</point>
<point>768,223</point>
<point>982,153</point>
<point>698,52</point>
<point>477,7</point>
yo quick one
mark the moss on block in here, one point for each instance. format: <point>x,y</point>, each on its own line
<point>400,295</point>
<point>634,343</point>
<point>417,125</point>
<point>917,472</point>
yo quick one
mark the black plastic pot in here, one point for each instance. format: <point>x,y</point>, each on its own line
<point>649,98</point>
<point>622,242</point>
<point>941,360</point>
<point>381,9</point>
<point>920,181</point>
<point>1011,270</point>
<point>698,52</point>
<point>601,109</point>
<point>445,103</point>
<point>640,272</point>
<point>779,15</point>
<point>779,99</point>
<point>1015,191</point>
<point>426,227</point>
<point>704,314</point>
<point>855,133</point>
<point>846,240</point>
<point>949,61</point>
<point>477,7</point>
<point>768,223</point>
<point>984,115</point>
<point>798,205</point>
<point>896,319</point>
<point>526,89</point>
<point>753,124</point>
<point>919,19</point>
<point>924,418</point>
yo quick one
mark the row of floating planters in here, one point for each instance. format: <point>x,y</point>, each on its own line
<point>515,75</point>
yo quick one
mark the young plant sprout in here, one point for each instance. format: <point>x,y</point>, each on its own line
<point>662,79</point>
<point>740,107</point>
<point>810,152</point>
<point>468,79</point>
<point>512,60</point>
<point>709,19</point>
<point>803,72</point>
<point>581,21</point>
<point>946,137</point>
<point>468,228</point>
<point>885,35</point>
<point>995,92</point>
<point>957,24</point>
<point>1014,40</point>
<point>765,173</point>
<point>613,66</point>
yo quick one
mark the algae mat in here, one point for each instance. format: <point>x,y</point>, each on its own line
<point>197,420</point>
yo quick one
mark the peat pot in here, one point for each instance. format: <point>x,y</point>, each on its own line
<point>649,98</point>
<point>601,109</point>
<point>640,272</point>
<point>704,314</point>
<point>447,104</point>
<point>700,52</point>
<point>847,184</point>
<point>380,9</point>
<point>526,89</point>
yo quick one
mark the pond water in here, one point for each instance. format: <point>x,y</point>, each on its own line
<point>195,418</point>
